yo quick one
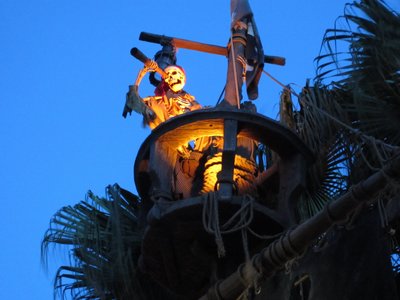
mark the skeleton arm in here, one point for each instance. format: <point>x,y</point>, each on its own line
<point>133,100</point>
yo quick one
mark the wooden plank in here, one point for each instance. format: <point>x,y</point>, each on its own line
<point>182,43</point>
<point>190,132</point>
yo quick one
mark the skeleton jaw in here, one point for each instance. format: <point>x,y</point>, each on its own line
<point>176,86</point>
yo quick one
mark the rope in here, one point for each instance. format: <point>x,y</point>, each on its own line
<point>264,237</point>
<point>221,95</point>
<point>351,129</point>
<point>211,221</point>
<point>382,151</point>
<point>382,214</point>
<point>234,71</point>
<point>245,241</point>
<point>280,83</point>
<point>239,221</point>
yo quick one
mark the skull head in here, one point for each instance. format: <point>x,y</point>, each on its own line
<point>176,78</point>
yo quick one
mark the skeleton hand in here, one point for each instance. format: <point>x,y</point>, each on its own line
<point>133,101</point>
<point>151,66</point>
<point>149,114</point>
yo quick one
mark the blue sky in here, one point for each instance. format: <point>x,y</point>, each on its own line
<point>64,70</point>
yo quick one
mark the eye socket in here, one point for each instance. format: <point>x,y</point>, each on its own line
<point>174,73</point>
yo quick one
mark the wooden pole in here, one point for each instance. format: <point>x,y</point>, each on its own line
<point>202,47</point>
<point>135,52</point>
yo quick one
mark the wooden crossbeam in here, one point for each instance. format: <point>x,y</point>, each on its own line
<point>202,47</point>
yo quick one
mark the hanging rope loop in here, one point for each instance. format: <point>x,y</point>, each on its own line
<point>240,220</point>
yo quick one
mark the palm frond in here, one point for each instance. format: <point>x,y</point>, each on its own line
<point>351,117</point>
<point>104,237</point>
<point>369,70</point>
<point>321,119</point>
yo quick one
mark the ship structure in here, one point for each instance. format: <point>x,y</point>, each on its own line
<point>234,205</point>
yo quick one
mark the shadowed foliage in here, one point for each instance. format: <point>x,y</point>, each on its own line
<point>104,240</point>
<point>350,116</point>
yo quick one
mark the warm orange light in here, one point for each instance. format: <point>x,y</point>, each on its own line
<point>245,171</point>
<point>212,167</point>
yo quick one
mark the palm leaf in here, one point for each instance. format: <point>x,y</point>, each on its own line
<point>104,238</point>
<point>351,117</point>
<point>369,71</point>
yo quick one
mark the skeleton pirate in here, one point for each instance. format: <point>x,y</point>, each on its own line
<point>169,100</point>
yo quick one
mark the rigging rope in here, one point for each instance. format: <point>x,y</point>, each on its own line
<point>355,131</point>
<point>211,221</point>
<point>221,95</point>
<point>280,83</point>
<point>383,152</point>
<point>234,71</point>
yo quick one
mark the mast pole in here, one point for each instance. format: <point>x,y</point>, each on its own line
<point>236,52</point>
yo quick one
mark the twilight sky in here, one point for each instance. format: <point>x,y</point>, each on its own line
<point>64,70</point>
